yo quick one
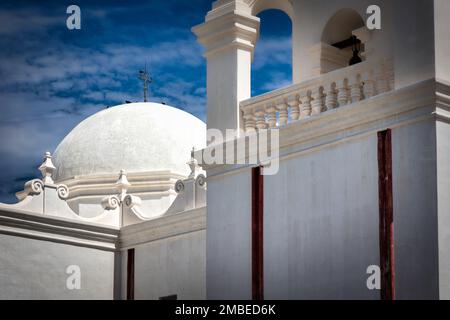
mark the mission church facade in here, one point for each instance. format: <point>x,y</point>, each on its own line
<point>125,209</point>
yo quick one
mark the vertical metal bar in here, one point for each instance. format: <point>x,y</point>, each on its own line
<point>130,274</point>
<point>386,214</point>
<point>257,234</point>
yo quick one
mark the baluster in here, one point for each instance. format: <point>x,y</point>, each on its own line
<point>390,75</point>
<point>381,79</point>
<point>271,112</point>
<point>317,102</point>
<point>294,104</point>
<point>391,80</point>
<point>331,96</point>
<point>343,96</point>
<point>369,89</point>
<point>249,121</point>
<point>283,112</point>
<point>260,119</point>
<point>305,107</point>
<point>355,88</point>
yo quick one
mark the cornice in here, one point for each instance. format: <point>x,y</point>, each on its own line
<point>230,30</point>
<point>163,227</point>
<point>25,224</point>
<point>157,183</point>
<point>222,7</point>
<point>443,101</point>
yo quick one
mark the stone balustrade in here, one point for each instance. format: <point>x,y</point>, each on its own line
<point>312,97</point>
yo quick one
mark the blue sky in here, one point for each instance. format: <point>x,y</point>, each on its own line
<point>51,78</point>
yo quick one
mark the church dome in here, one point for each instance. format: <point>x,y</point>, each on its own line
<point>136,137</point>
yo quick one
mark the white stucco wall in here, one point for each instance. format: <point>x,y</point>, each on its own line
<point>321,220</point>
<point>413,28</point>
<point>171,266</point>
<point>415,210</point>
<point>35,269</point>
<point>228,248</point>
<point>443,185</point>
<point>442,40</point>
<point>321,223</point>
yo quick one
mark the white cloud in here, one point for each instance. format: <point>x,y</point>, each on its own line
<point>181,93</point>
<point>276,80</point>
<point>94,95</point>
<point>13,22</point>
<point>273,51</point>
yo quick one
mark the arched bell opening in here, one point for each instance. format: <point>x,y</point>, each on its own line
<point>272,60</point>
<point>339,46</point>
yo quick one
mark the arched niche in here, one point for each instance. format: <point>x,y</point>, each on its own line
<point>334,49</point>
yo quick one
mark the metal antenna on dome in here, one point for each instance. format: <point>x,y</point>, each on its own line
<point>146,80</point>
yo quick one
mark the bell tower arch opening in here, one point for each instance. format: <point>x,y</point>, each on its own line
<point>258,6</point>
<point>339,45</point>
<point>272,61</point>
<point>341,25</point>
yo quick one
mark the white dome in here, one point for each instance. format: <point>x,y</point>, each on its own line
<point>136,137</point>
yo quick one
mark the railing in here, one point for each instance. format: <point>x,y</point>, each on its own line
<point>329,91</point>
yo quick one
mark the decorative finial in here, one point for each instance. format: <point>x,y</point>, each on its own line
<point>192,164</point>
<point>146,80</point>
<point>47,168</point>
<point>122,184</point>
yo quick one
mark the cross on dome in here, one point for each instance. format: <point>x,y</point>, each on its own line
<point>146,79</point>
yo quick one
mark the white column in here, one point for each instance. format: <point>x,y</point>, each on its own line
<point>229,35</point>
